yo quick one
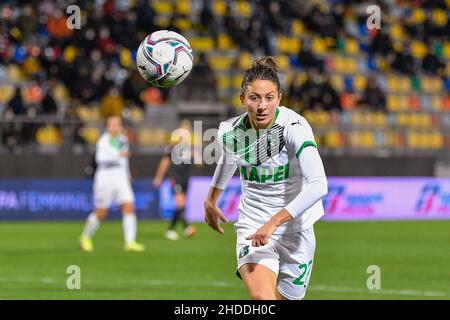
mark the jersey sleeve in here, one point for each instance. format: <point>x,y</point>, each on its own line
<point>226,165</point>
<point>299,135</point>
<point>301,140</point>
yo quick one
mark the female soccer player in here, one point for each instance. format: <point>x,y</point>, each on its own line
<point>112,183</point>
<point>283,181</point>
<point>182,157</point>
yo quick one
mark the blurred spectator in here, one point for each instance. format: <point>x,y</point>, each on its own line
<point>432,64</point>
<point>201,83</point>
<point>404,62</point>
<point>348,100</point>
<point>307,59</point>
<point>208,23</point>
<point>373,97</point>
<point>132,87</point>
<point>330,98</point>
<point>16,104</point>
<point>49,106</point>
<point>381,43</point>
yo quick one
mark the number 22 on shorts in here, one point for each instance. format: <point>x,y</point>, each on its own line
<point>305,270</point>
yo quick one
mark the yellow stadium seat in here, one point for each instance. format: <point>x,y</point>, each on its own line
<point>352,46</point>
<point>161,137</point>
<point>223,81</point>
<point>144,137</point>
<point>359,82</point>
<point>237,102</point>
<point>183,7</point>
<point>219,7</point>
<point>162,7</point>
<point>310,116</point>
<point>237,81</point>
<point>418,49</point>
<point>243,8</point>
<point>224,42</point>
<point>446,52</point>
<point>49,135</point>
<point>431,84</point>
<point>6,93</point>
<point>318,46</point>
<point>368,140</point>
<point>397,32</point>
<point>393,83</point>
<point>183,24</point>
<point>437,140</point>
<point>152,137</point>
<point>288,45</point>
<point>90,134</point>
<point>60,93</point>
<point>418,16</point>
<point>89,114</point>
<point>393,103</point>
<point>323,118</point>
<point>404,85</point>
<point>337,82</point>
<point>282,62</point>
<point>380,119</point>
<point>350,65</point>
<point>397,45</point>
<point>436,103</point>
<point>412,140</point>
<point>332,139</point>
<point>137,115</point>
<point>297,28</point>
<point>220,63</point>
<point>15,73</point>
<point>204,44</point>
<point>245,60</point>
<point>437,84</point>
<point>439,17</point>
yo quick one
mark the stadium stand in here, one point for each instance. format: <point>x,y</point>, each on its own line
<point>363,90</point>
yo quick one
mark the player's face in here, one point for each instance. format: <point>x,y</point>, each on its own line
<point>261,99</point>
<point>114,126</point>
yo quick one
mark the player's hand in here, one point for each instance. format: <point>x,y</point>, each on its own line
<point>124,154</point>
<point>262,235</point>
<point>213,216</point>
<point>157,182</point>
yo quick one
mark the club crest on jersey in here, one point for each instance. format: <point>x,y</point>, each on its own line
<point>244,251</point>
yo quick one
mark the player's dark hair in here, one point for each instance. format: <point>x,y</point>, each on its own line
<point>263,68</point>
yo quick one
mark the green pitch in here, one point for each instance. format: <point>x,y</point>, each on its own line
<point>413,258</point>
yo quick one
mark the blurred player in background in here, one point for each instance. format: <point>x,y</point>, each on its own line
<point>112,183</point>
<point>179,159</point>
<point>283,181</point>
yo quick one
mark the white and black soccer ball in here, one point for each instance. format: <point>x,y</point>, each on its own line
<point>164,58</point>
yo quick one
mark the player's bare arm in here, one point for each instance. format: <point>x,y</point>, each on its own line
<point>262,235</point>
<point>163,166</point>
<point>214,215</point>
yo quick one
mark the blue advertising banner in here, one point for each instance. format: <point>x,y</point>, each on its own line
<point>29,199</point>
<point>349,198</point>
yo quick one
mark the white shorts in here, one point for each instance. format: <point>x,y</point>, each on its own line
<point>290,256</point>
<point>107,191</point>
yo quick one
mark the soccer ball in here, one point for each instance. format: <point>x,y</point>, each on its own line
<point>164,58</point>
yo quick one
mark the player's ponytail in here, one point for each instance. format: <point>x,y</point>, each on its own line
<point>263,68</point>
